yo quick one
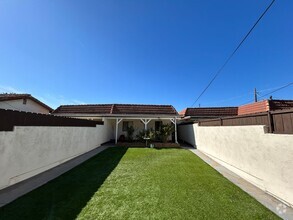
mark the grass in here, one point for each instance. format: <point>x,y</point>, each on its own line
<point>138,183</point>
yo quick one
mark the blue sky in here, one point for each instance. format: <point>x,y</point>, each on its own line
<point>151,52</point>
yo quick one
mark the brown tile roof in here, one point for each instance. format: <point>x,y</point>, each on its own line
<point>84,109</point>
<point>119,109</point>
<point>210,112</point>
<point>13,96</point>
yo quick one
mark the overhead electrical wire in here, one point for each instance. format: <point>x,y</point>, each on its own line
<point>246,94</point>
<point>269,93</point>
<point>233,53</point>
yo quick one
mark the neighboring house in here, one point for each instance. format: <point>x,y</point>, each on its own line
<point>195,114</point>
<point>121,116</point>
<point>264,106</point>
<point>23,102</point>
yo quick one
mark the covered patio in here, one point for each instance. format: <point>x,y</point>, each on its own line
<point>144,122</point>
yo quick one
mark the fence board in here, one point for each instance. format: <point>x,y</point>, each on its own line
<point>10,118</point>
<point>287,122</point>
<point>280,121</point>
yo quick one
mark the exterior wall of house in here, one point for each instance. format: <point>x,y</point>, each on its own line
<point>28,151</point>
<point>138,126</point>
<point>261,158</point>
<point>30,106</point>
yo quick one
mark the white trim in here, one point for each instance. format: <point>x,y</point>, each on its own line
<point>174,121</point>
<point>176,140</point>
<point>145,121</point>
<point>139,118</point>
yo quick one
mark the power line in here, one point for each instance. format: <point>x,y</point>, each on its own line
<point>232,54</point>
<point>269,93</point>
<point>283,87</point>
<point>244,94</point>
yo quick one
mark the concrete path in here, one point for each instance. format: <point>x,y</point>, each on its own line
<point>267,200</point>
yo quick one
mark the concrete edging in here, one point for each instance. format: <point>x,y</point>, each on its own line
<point>261,196</point>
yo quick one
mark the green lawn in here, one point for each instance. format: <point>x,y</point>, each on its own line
<point>138,183</point>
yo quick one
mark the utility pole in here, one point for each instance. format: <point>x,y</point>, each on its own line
<point>255,95</point>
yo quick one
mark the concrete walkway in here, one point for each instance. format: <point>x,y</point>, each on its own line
<point>267,200</point>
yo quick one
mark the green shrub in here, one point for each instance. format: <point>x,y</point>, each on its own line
<point>165,131</point>
<point>130,131</point>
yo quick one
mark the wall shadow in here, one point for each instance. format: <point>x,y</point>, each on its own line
<point>65,196</point>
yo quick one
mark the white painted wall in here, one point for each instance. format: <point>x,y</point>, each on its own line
<point>28,151</point>
<point>18,105</point>
<point>264,159</point>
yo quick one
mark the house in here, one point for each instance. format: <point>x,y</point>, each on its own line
<point>264,106</point>
<point>195,114</point>
<point>122,116</point>
<point>23,102</point>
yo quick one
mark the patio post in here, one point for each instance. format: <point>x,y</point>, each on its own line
<point>117,123</point>
<point>174,121</point>
<point>145,121</point>
<point>175,131</point>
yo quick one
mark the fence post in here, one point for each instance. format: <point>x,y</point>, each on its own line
<point>221,122</point>
<point>271,122</point>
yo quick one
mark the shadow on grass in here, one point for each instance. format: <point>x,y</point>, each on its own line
<point>65,196</point>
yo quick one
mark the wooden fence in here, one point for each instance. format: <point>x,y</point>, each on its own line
<point>279,122</point>
<point>10,118</point>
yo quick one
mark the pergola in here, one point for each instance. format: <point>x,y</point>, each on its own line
<point>145,121</point>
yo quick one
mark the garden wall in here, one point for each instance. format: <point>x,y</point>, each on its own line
<point>264,159</point>
<point>31,150</point>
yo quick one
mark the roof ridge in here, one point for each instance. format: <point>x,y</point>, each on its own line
<point>141,104</point>
<point>85,105</point>
<point>212,107</point>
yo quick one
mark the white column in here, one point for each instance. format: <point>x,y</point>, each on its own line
<point>145,121</point>
<point>117,124</point>
<point>175,131</point>
<point>174,121</point>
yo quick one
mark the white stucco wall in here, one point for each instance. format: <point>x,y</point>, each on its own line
<point>264,159</point>
<point>30,106</point>
<point>28,151</point>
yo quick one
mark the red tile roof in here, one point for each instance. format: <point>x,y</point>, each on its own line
<point>117,109</point>
<point>256,107</point>
<point>265,105</point>
<point>210,112</point>
<point>12,96</point>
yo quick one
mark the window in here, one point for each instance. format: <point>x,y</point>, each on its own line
<point>24,101</point>
<point>158,125</point>
<point>126,124</point>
